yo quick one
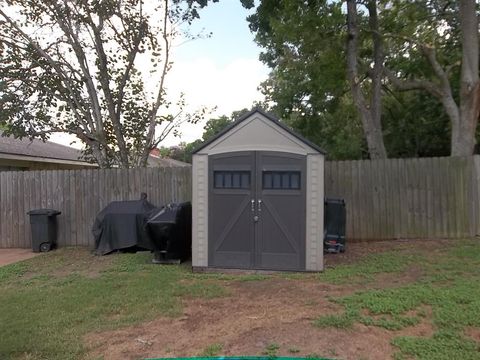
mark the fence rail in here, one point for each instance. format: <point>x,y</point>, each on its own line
<point>386,199</point>
<point>80,195</point>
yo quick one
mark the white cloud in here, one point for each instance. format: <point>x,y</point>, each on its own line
<point>205,83</point>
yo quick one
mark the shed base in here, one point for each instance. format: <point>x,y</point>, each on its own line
<point>206,269</point>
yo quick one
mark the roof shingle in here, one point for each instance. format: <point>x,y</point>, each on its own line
<point>38,148</point>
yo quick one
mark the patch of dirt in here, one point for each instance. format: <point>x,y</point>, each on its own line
<point>473,333</point>
<point>277,310</point>
<point>88,264</point>
<point>384,280</point>
<point>257,313</point>
<point>11,256</point>
<point>68,261</point>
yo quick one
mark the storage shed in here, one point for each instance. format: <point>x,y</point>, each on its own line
<point>257,198</point>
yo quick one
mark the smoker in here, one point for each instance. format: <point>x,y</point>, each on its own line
<point>170,229</point>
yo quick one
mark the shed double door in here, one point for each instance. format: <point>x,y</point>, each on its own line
<point>257,210</point>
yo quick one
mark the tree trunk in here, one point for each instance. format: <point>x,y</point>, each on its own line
<point>463,132</point>
<point>370,115</point>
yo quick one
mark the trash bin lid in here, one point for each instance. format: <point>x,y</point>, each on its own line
<point>47,212</point>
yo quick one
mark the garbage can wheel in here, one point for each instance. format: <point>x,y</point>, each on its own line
<point>45,247</point>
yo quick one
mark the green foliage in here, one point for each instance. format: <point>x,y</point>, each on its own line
<point>395,322</point>
<point>73,68</point>
<point>212,350</point>
<point>341,321</point>
<point>271,350</point>
<point>303,44</point>
<point>443,345</point>
<point>184,151</point>
<point>214,126</point>
<point>415,125</point>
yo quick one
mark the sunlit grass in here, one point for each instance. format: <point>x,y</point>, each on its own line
<point>450,286</point>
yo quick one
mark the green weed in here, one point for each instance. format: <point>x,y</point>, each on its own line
<point>450,287</point>
<point>271,350</point>
<point>212,350</point>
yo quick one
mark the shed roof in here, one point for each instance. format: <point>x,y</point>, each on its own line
<point>268,116</point>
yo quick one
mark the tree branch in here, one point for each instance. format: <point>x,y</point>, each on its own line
<point>413,84</point>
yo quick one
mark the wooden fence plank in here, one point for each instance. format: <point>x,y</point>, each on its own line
<point>10,204</point>
<point>440,216</point>
<point>386,199</point>
<point>348,195</point>
<point>26,175</point>
<point>21,209</point>
<point>476,185</point>
<point>14,209</point>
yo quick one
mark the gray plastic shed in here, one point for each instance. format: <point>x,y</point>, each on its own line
<point>257,199</point>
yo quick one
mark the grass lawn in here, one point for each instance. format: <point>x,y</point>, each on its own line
<point>50,303</point>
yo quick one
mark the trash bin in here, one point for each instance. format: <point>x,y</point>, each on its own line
<point>334,224</point>
<point>43,223</point>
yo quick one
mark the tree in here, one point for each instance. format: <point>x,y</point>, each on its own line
<point>78,67</point>
<point>446,26</point>
<point>214,126</point>
<point>415,125</point>
<point>184,151</point>
<point>370,111</point>
<point>304,45</point>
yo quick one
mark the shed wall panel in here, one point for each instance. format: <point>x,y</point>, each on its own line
<point>200,211</point>
<point>314,221</point>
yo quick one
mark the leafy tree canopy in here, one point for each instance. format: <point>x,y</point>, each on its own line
<point>304,44</point>
<point>78,67</point>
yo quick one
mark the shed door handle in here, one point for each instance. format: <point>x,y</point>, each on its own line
<point>259,205</point>
<point>252,202</point>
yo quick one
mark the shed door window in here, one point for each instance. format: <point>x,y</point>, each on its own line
<point>286,180</point>
<point>231,179</point>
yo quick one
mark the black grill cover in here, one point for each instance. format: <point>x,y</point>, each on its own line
<point>122,225</point>
<point>171,231</point>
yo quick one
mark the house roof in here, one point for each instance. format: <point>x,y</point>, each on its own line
<point>270,117</point>
<point>38,149</point>
<point>158,161</point>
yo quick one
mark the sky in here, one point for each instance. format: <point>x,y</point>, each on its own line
<point>221,71</point>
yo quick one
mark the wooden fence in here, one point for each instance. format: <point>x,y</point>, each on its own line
<point>408,198</point>
<point>386,199</point>
<point>80,195</point>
